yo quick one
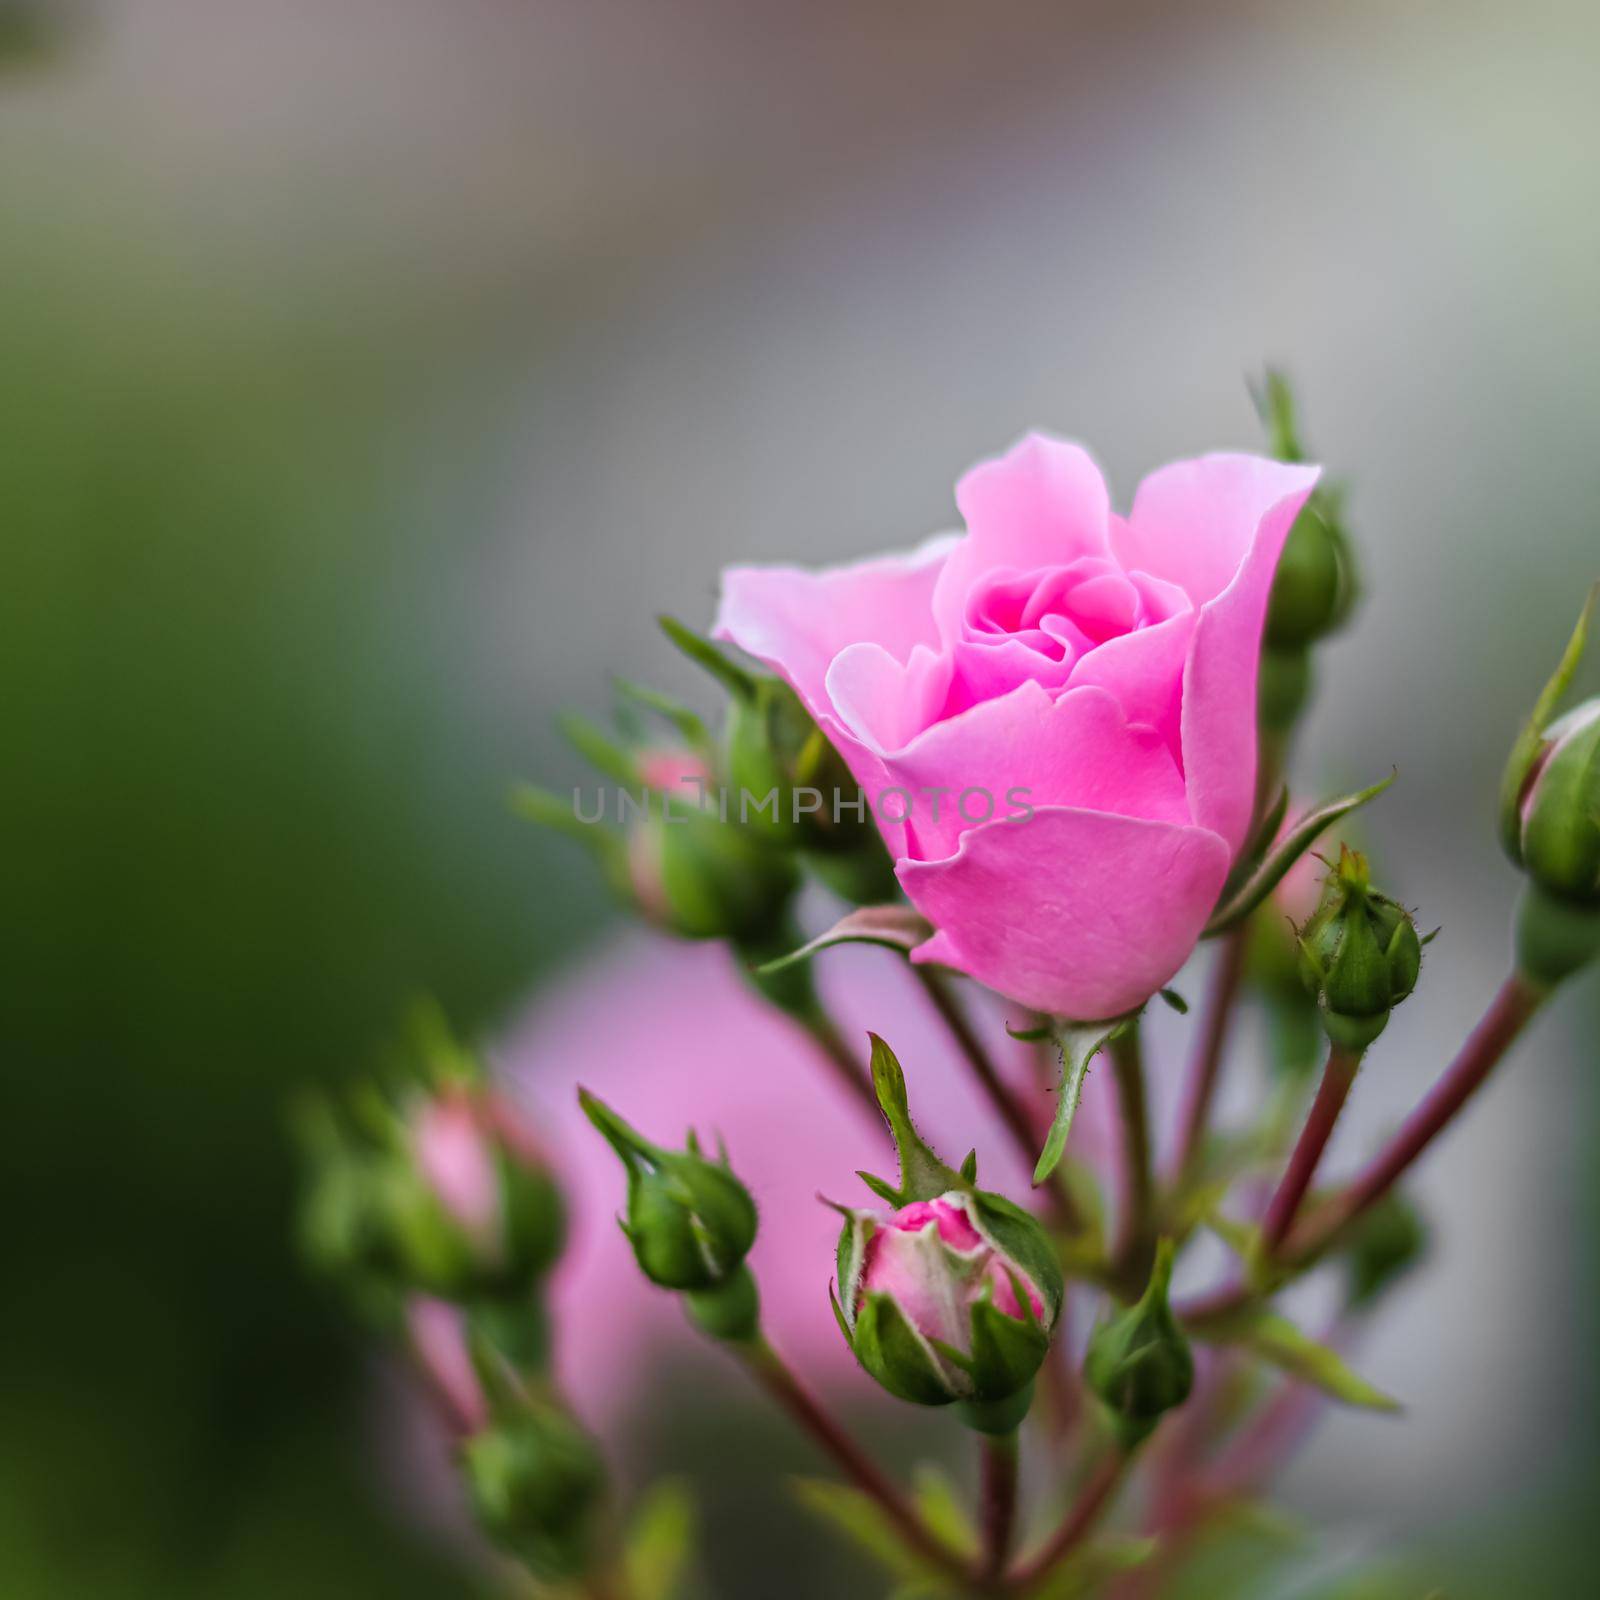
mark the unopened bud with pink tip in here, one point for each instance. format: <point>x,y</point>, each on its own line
<point>951,1296</point>
<point>443,1191</point>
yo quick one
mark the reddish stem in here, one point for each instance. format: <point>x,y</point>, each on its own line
<point>1514,1003</point>
<point>1080,1519</point>
<point>1206,1072</point>
<point>1337,1077</point>
<point>769,1370</point>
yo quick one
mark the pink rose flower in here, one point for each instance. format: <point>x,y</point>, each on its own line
<point>1097,669</point>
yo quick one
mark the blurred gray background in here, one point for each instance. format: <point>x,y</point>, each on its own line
<point>373,372</point>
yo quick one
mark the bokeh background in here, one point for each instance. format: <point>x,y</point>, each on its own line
<point>371,373</point>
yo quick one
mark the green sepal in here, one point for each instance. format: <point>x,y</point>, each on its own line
<point>1006,1353</point>
<point>1238,904</point>
<point>894,1353</point>
<point>923,1176</point>
<point>547,810</point>
<point>895,927</point>
<point>1079,1043</point>
<point>1524,753</point>
<point>686,723</point>
<point>704,653</point>
<point>1017,1235</point>
<point>599,749</point>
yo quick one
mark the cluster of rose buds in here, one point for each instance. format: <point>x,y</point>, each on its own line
<point>1128,687</point>
<point>437,1210</point>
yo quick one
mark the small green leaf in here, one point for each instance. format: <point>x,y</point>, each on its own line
<point>1294,844</point>
<point>895,927</point>
<point>660,1542</point>
<point>1176,1001</point>
<point>1526,749</point>
<point>943,1508</point>
<point>1243,1238</point>
<point>1276,1340</point>
<point>1257,845</point>
<point>1092,1568</point>
<point>862,1521</point>
<point>1079,1043</point>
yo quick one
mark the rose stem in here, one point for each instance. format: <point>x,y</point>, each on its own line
<point>1013,1113</point>
<point>1206,1071</point>
<point>1332,1092</point>
<point>1127,1061</point>
<point>769,1370</point>
<point>1085,1511</point>
<point>1514,1003</point>
<point>999,1501</point>
<point>824,1032</point>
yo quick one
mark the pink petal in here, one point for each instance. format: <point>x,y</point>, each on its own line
<point>1042,504</point>
<point>883,702</point>
<point>1194,522</point>
<point>1078,750</point>
<point>797,620</point>
<point>1219,680</point>
<point>1077,913</point>
<point>1143,671</point>
<point>954,1225</point>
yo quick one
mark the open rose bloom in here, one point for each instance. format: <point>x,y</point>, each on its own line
<point>1053,714</point>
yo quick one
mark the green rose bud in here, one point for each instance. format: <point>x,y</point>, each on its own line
<point>446,1193</point>
<point>1311,589</point>
<point>690,1221</point>
<point>702,877</point>
<point>1558,834</point>
<point>953,1295</point>
<point>1139,1362</point>
<point>1384,1243</point>
<point>788,783</point>
<point>1550,825</point>
<point>1359,955</point>
<point>536,1482</point>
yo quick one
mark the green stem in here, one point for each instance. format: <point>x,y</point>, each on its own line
<point>1132,1255</point>
<point>998,1502</point>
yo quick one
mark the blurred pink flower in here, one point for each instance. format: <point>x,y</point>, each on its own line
<point>1090,679</point>
<point>670,1034</point>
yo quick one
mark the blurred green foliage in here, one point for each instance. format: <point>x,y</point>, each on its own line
<point>247,818</point>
